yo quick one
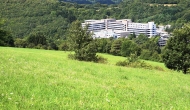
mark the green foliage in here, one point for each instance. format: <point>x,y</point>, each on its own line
<point>116,47</point>
<point>21,43</point>
<point>37,38</point>
<point>93,1</point>
<point>150,49</point>
<point>81,42</point>
<point>5,38</point>
<point>101,59</point>
<point>122,63</point>
<point>176,55</point>
<point>64,46</point>
<point>148,55</point>
<point>133,58</point>
<point>71,56</point>
<point>53,18</point>
<point>141,39</point>
<point>145,54</point>
<point>103,45</point>
<point>52,46</point>
<point>132,36</point>
<point>129,47</point>
<point>138,64</point>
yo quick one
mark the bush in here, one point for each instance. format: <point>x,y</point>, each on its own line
<point>138,64</point>
<point>21,43</point>
<point>158,68</point>
<point>133,58</point>
<point>122,63</point>
<point>40,46</point>
<point>101,60</point>
<point>64,46</point>
<point>72,56</point>
<point>52,46</point>
<point>31,45</point>
<point>6,39</point>
<point>37,38</point>
<point>148,55</point>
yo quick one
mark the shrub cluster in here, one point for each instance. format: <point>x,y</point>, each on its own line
<point>99,59</point>
<point>138,64</point>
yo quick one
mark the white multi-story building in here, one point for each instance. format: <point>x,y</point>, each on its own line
<point>121,28</point>
<point>148,29</point>
<point>94,25</point>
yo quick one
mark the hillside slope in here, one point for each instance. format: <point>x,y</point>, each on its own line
<point>41,79</point>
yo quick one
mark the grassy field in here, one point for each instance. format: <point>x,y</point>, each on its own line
<point>48,80</point>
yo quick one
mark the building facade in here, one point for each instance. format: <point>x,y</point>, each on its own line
<point>120,28</point>
<point>164,36</point>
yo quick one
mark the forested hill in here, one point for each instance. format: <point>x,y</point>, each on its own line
<point>118,1</point>
<point>53,18</point>
<point>93,1</point>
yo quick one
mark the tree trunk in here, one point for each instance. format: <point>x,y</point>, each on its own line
<point>185,70</point>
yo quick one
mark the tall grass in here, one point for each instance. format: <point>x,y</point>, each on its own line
<point>42,79</point>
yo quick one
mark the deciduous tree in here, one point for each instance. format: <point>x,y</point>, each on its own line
<point>177,51</point>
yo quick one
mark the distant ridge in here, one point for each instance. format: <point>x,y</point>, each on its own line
<point>93,1</point>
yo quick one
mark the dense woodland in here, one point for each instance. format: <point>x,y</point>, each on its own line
<point>118,1</point>
<point>93,1</point>
<point>45,23</point>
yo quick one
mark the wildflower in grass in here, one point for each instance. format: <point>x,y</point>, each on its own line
<point>11,93</point>
<point>107,100</point>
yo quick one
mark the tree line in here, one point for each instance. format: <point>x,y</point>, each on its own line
<point>118,1</point>
<point>175,55</point>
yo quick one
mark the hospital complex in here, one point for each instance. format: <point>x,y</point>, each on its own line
<point>106,28</point>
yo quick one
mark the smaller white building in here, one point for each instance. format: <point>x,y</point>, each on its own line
<point>164,36</point>
<point>163,40</point>
<point>110,33</point>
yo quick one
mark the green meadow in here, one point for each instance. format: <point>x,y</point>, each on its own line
<point>32,79</point>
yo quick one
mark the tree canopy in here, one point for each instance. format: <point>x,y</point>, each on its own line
<point>177,51</point>
<point>81,42</point>
<point>5,37</point>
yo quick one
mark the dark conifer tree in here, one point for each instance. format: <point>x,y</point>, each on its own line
<point>81,42</point>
